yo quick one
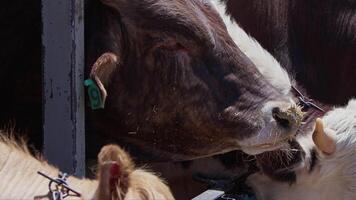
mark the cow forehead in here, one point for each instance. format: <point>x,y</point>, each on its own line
<point>198,18</point>
<point>186,9</point>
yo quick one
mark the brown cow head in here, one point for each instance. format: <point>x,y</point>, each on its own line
<point>179,87</point>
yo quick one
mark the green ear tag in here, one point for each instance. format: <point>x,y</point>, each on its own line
<point>94,94</point>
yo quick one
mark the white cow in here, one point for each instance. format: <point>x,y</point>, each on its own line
<point>333,175</point>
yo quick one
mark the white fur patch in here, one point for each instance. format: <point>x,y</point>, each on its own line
<point>264,61</point>
<point>352,104</point>
<point>343,122</point>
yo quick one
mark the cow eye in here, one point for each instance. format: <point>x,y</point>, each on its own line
<point>175,44</point>
<point>172,46</point>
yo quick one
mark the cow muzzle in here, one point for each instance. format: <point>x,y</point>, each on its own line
<point>281,122</point>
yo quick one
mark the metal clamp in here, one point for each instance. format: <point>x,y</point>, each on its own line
<point>59,188</point>
<point>306,103</point>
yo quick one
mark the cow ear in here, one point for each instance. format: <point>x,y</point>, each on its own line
<point>102,70</point>
<point>114,153</point>
<point>115,166</point>
<point>109,177</point>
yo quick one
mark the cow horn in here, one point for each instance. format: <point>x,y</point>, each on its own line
<point>323,138</point>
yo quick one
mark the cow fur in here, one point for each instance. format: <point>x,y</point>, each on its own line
<point>19,178</point>
<point>130,182</point>
<point>263,60</point>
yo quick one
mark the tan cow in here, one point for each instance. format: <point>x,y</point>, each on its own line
<point>117,176</point>
<point>119,179</point>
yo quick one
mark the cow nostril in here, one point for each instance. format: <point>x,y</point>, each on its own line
<point>280,118</point>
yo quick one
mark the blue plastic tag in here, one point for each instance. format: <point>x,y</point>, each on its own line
<point>96,102</point>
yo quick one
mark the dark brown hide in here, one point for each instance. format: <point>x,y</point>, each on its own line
<point>182,88</point>
<point>313,39</point>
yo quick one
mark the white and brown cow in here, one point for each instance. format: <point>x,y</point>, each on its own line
<point>180,89</point>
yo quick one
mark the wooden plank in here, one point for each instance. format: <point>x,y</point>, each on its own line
<point>63,90</point>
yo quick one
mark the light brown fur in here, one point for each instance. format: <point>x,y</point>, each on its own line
<point>18,172</point>
<point>19,178</point>
<point>132,183</point>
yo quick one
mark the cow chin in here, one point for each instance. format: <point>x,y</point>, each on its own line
<point>268,139</point>
<point>281,164</point>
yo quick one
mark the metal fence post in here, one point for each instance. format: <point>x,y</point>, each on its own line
<point>63,92</point>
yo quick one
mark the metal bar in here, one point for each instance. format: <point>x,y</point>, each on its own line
<point>209,195</point>
<point>63,77</point>
<point>59,182</point>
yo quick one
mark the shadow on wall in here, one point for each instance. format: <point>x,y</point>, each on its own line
<point>20,68</point>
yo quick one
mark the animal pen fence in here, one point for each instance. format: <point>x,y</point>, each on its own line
<point>63,89</point>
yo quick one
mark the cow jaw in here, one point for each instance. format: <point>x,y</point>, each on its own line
<point>269,146</point>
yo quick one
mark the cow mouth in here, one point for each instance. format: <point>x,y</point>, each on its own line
<point>280,164</point>
<point>281,123</point>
